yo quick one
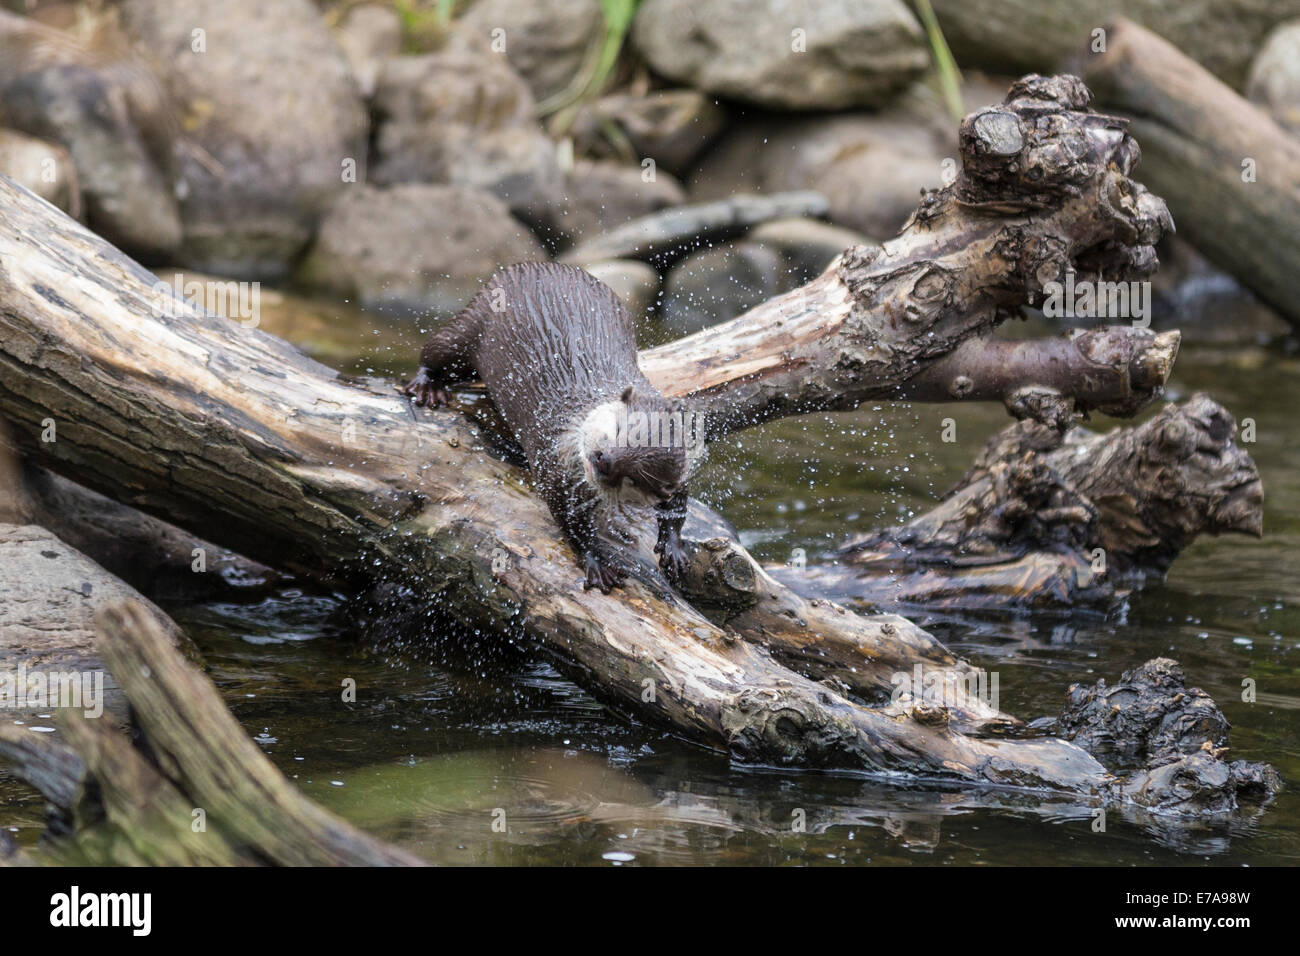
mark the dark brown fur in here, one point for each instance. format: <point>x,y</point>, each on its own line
<point>553,344</point>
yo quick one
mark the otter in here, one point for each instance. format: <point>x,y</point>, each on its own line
<point>557,351</point>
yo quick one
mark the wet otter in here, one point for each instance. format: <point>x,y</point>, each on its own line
<point>557,352</point>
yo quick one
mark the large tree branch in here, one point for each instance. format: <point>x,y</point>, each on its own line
<point>234,435</point>
<point>1044,188</point>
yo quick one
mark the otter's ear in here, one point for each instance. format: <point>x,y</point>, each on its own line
<point>627,395</point>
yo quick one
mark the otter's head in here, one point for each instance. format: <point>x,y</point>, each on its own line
<point>635,442</point>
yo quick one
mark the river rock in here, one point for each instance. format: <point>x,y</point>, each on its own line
<point>1275,76</point>
<point>635,283</point>
<point>671,233</point>
<point>713,285</point>
<point>785,54</point>
<point>111,117</point>
<point>1023,36</point>
<point>369,35</point>
<point>273,117</point>
<point>44,168</point>
<point>546,41</point>
<point>50,595</point>
<point>671,127</point>
<point>602,195</point>
<point>463,117</point>
<point>414,247</point>
<point>871,167</point>
<point>806,245</point>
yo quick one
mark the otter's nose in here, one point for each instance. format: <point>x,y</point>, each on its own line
<point>600,461</point>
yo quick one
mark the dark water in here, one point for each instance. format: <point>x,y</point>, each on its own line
<point>430,752</point>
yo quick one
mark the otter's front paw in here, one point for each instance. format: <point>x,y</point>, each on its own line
<point>425,392</point>
<point>603,572</point>
<point>673,560</point>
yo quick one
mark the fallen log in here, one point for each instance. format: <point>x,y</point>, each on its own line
<point>1012,36</point>
<point>670,233</point>
<point>1228,170</point>
<point>156,558</point>
<point>235,436</point>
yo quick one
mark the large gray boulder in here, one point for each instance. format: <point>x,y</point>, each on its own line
<point>547,41</point>
<point>807,245</point>
<point>599,196</point>
<point>716,284</point>
<point>273,118</point>
<point>44,168</point>
<point>463,117</point>
<point>671,127</point>
<point>785,54</point>
<point>414,248</point>
<point>111,117</point>
<point>635,283</point>
<point>871,167</point>
<point>1275,76</point>
<point>49,595</point>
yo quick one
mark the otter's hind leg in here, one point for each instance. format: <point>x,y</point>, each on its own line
<point>445,361</point>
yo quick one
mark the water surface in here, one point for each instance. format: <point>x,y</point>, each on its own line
<point>432,751</point>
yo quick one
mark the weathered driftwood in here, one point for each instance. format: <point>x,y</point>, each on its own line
<point>1044,189</point>
<point>153,556</point>
<point>191,788</point>
<point>1013,36</point>
<point>1052,519</point>
<point>234,435</point>
<point>1228,170</point>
